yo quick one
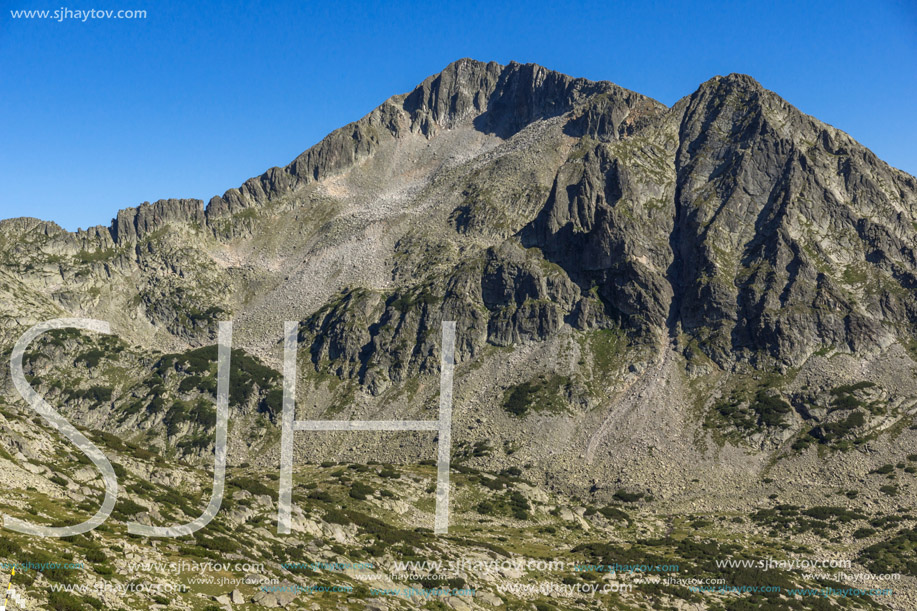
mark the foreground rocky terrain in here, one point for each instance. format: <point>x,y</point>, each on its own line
<point>683,335</point>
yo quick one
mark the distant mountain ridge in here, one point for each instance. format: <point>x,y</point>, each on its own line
<point>505,99</point>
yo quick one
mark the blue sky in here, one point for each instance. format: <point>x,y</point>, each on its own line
<point>196,98</point>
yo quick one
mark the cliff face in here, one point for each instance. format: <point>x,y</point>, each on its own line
<point>740,221</point>
<point>786,230</point>
<point>135,223</point>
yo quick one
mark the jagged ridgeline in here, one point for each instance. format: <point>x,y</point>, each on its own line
<point>619,271</point>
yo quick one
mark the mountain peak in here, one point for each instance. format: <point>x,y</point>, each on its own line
<point>738,80</point>
<point>720,87</point>
<point>504,99</point>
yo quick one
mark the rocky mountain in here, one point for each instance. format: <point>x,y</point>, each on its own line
<point>670,302</point>
<point>729,217</point>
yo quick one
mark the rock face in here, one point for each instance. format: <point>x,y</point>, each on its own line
<point>135,223</point>
<point>529,207</point>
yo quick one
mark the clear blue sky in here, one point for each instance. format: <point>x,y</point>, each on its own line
<point>198,97</point>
